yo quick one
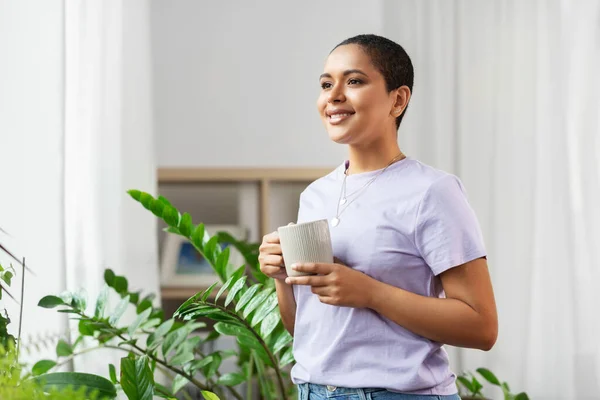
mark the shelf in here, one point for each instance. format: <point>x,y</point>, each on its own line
<point>182,293</point>
<point>179,175</point>
<point>266,178</point>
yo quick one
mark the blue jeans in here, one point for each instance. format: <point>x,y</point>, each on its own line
<point>309,391</point>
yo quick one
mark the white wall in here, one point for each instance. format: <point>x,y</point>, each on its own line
<point>236,83</point>
<point>31,129</point>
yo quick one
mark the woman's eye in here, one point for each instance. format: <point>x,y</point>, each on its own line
<point>325,85</point>
<point>354,81</point>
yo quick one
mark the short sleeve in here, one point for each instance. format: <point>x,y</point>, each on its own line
<point>447,232</point>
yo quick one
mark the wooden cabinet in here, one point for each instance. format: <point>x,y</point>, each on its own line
<point>258,199</point>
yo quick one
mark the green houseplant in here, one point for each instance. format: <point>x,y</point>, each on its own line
<point>243,304</point>
<point>470,388</point>
<point>18,383</point>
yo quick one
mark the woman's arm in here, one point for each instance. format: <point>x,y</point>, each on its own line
<point>466,317</point>
<point>287,305</point>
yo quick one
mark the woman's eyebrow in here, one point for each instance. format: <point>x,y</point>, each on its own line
<point>346,72</point>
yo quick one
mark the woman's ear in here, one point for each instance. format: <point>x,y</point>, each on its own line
<point>401,99</point>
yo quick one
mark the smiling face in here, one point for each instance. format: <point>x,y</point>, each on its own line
<point>354,104</point>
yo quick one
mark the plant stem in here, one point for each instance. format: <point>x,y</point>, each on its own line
<point>249,378</point>
<point>263,344</point>
<point>21,309</point>
<point>149,354</point>
<point>88,350</point>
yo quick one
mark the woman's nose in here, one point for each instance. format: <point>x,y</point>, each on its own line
<point>336,95</point>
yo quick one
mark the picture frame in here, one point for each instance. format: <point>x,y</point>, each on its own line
<point>183,266</point>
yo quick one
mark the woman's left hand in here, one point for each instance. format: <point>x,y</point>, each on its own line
<point>335,284</point>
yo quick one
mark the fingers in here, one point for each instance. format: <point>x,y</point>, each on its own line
<point>314,268</point>
<point>270,248</point>
<point>271,259</point>
<point>314,280</point>
<point>272,237</point>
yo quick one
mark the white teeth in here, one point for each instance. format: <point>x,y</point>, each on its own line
<point>339,116</point>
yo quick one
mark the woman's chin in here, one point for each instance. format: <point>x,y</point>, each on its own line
<point>340,136</point>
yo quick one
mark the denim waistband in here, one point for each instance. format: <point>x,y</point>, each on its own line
<point>326,392</point>
<point>332,391</point>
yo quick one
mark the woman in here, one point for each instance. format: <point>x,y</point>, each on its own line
<point>410,272</point>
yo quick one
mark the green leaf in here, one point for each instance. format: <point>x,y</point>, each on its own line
<point>136,194</point>
<point>173,339</point>
<point>224,288</point>
<point>186,304</point>
<point>164,201</point>
<point>197,364</point>
<point>119,311</point>
<point>63,349</point>
<point>505,387</point>
<point>212,336</point>
<point>269,323</point>
<point>476,385</point>
<point>112,372</point>
<point>185,226</point>
<point>282,340</point>
<point>6,277</point>
<point>79,301</point>
<point>264,309</point>
<point>158,208</point>
<point>62,380</point>
<point>179,382</point>
<point>138,321</point>
<point>207,292</point>
<point>212,248</point>
<point>181,358</point>
<point>157,336</point>
<point>51,302</point>
<point>101,303</point>
<point>287,357</point>
<point>198,236</point>
<point>133,297</point>
<point>466,383</point>
<point>209,395</point>
<point>222,262</point>
<point>256,301</point>
<point>42,366</point>
<point>86,328</point>
<point>247,296</point>
<point>145,303</point>
<point>146,199</point>
<point>164,392</point>
<point>137,380</point>
<point>522,396</point>
<point>213,367</point>
<point>120,284</point>
<point>232,330</point>
<point>239,284</point>
<point>171,216</point>
<point>172,229</point>
<point>488,376</point>
<point>151,323</point>
<point>231,379</point>
<point>109,277</point>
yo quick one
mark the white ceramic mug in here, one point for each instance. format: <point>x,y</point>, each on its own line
<point>305,242</point>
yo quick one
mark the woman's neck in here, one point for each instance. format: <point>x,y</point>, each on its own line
<point>373,157</point>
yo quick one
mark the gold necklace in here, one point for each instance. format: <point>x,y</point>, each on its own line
<point>335,221</point>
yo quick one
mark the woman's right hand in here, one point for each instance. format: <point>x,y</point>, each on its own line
<point>271,258</point>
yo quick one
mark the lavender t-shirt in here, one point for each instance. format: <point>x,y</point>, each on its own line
<point>412,223</point>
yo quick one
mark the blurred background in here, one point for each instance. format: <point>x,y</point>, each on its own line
<point>212,105</point>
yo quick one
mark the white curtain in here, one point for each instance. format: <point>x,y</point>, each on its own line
<point>108,149</point>
<point>507,96</point>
